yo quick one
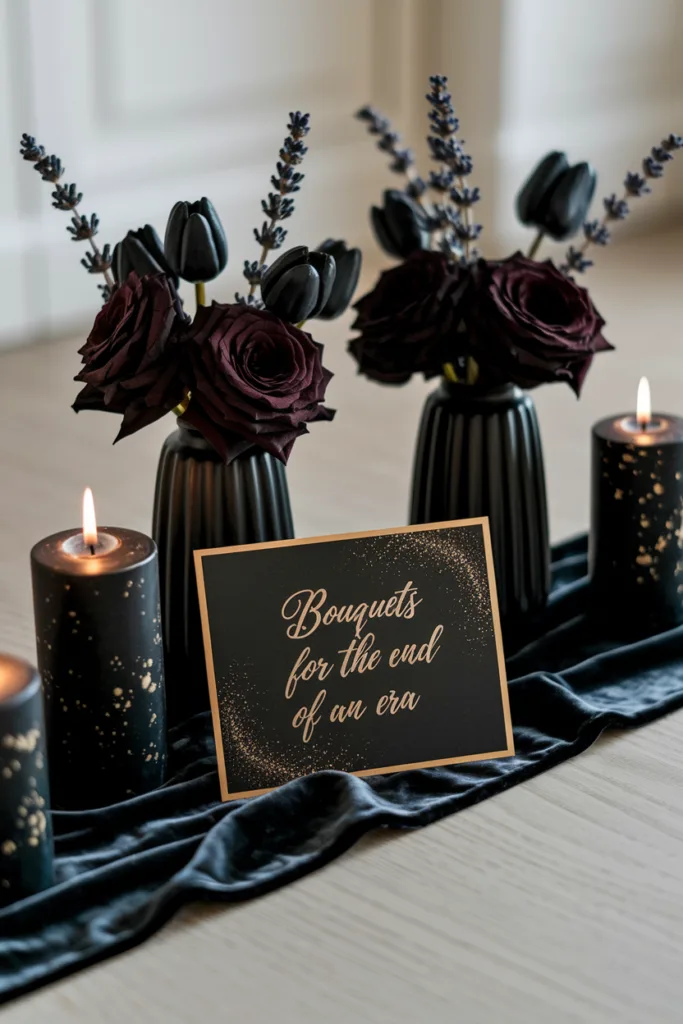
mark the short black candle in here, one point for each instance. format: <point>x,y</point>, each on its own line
<point>98,632</point>
<point>636,542</point>
<point>26,864</point>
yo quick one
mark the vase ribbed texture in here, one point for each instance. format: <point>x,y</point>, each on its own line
<point>479,454</point>
<point>200,502</point>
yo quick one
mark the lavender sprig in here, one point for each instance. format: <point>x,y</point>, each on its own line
<point>278,205</point>
<point>635,185</point>
<point>389,141</point>
<point>447,149</point>
<point>252,301</point>
<point>67,198</point>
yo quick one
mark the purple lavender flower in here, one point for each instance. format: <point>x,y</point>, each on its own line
<point>389,141</point>
<point>575,261</point>
<point>447,149</point>
<point>617,209</point>
<point>596,232</point>
<point>651,168</point>
<point>278,205</point>
<point>635,184</point>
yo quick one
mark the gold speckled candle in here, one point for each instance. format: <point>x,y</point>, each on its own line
<point>98,632</point>
<point>25,833</point>
<point>636,540</point>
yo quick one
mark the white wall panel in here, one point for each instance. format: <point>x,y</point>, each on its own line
<point>149,101</point>
<point>601,80</point>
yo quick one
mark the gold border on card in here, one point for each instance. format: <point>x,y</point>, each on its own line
<point>199,555</point>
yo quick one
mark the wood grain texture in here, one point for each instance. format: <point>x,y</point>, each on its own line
<point>560,900</point>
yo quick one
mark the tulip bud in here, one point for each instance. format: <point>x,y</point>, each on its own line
<point>348,263</point>
<point>298,284</point>
<point>142,252</point>
<point>533,196</point>
<point>555,197</point>
<point>195,242</point>
<point>569,202</point>
<point>400,225</point>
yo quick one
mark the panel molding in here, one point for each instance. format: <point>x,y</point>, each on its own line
<point>115,161</point>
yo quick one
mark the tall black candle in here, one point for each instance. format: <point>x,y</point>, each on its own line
<point>98,631</point>
<point>636,540</point>
<point>25,832</point>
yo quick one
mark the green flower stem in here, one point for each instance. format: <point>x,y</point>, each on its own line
<point>471,372</point>
<point>536,244</point>
<point>200,293</point>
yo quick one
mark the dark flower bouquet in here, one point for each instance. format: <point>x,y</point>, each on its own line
<point>446,310</point>
<point>245,374</point>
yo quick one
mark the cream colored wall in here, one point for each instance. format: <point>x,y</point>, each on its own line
<point>602,79</point>
<point>148,101</point>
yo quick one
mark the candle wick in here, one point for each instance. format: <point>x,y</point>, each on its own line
<point>92,548</point>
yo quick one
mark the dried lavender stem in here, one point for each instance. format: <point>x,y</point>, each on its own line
<point>468,220</point>
<point>266,248</point>
<point>603,223</point>
<point>107,273</point>
<point>262,258</point>
<point>412,175</point>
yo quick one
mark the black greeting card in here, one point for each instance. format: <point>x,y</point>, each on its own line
<point>366,652</point>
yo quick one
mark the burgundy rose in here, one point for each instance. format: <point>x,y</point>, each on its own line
<point>257,381</point>
<point>531,324</point>
<point>409,321</point>
<point>132,355</point>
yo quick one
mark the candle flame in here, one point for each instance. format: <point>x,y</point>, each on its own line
<point>89,521</point>
<point>643,403</point>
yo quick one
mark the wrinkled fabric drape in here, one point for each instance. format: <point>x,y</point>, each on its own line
<point>122,871</point>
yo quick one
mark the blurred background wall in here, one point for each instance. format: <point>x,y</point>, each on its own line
<point>150,101</point>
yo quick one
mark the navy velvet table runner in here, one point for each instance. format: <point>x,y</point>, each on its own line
<point>123,871</point>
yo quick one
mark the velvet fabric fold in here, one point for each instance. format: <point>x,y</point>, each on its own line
<point>122,871</point>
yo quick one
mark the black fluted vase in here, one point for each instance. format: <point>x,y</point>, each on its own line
<point>479,454</point>
<point>200,502</point>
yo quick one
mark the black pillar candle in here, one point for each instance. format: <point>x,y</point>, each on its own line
<point>98,631</point>
<point>25,832</point>
<point>636,540</point>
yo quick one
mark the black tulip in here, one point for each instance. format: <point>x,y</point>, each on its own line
<point>195,241</point>
<point>348,263</point>
<point>142,252</point>
<point>555,197</point>
<point>533,196</point>
<point>401,225</point>
<point>298,284</point>
<point>569,202</point>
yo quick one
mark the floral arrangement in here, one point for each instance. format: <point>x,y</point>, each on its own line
<point>445,309</point>
<point>245,374</point>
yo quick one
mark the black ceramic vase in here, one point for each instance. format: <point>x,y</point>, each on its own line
<point>479,454</point>
<point>200,502</point>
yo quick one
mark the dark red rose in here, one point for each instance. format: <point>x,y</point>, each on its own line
<point>257,381</point>
<point>132,355</point>
<point>531,324</point>
<point>409,322</point>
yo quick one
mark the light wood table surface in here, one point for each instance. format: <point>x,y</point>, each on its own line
<point>561,900</point>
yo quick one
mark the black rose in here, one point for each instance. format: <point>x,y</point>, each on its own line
<point>132,358</point>
<point>255,380</point>
<point>409,322</point>
<point>531,324</point>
